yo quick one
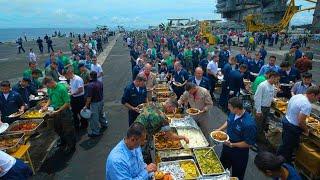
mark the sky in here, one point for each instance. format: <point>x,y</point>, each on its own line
<point>128,13</point>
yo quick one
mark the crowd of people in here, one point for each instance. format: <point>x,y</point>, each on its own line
<point>194,69</point>
<point>73,83</point>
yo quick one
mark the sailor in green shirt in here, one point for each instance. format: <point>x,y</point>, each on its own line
<point>63,121</point>
<point>188,59</point>
<point>75,64</point>
<point>154,120</point>
<point>32,66</point>
<point>258,81</point>
<point>63,58</point>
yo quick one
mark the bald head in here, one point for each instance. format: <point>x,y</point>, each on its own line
<point>198,73</point>
<point>147,68</point>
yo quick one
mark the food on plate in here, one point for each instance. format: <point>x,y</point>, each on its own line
<point>33,114</point>
<point>161,142</point>
<point>7,143</point>
<point>190,169</point>
<point>193,111</point>
<point>24,127</point>
<point>219,135</point>
<point>195,136</point>
<point>208,163</point>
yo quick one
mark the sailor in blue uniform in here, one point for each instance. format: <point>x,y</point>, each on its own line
<point>235,81</point>
<point>254,66</point>
<point>134,94</point>
<point>242,131</point>
<point>288,76</point>
<point>179,75</point>
<point>10,102</point>
<point>223,57</point>
<point>241,58</point>
<point>199,79</point>
<point>224,89</point>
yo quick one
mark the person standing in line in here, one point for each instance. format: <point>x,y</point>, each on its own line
<point>77,99</point>
<point>262,102</point>
<point>97,68</point>
<point>212,71</point>
<point>40,44</point>
<point>134,94</point>
<point>242,131</point>
<point>294,122</point>
<point>59,99</point>
<point>94,102</point>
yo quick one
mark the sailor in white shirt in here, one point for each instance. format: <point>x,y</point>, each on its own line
<point>32,55</point>
<point>212,71</point>
<point>11,168</point>
<point>97,68</point>
<point>262,102</point>
<point>77,98</point>
<point>294,122</point>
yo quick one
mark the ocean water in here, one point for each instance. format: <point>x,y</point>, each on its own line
<point>11,34</point>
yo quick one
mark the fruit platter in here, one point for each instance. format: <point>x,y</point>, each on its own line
<point>208,161</point>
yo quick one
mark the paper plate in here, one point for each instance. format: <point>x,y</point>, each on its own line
<point>176,83</point>
<point>217,140</point>
<point>16,114</point>
<point>188,111</point>
<point>3,127</point>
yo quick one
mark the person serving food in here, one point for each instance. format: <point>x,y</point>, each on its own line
<point>154,120</point>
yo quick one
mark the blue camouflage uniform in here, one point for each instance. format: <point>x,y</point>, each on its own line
<point>223,58</point>
<point>241,59</point>
<point>240,129</point>
<point>134,98</point>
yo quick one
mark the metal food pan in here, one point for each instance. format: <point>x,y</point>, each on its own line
<point>179,161</point>
<point>20,122</point>
<point>15,147</point>
<point>154,141</point>
<point>206,143</point>
<point>172,155</point>
<point>215,154</point>
<point>23,116</point>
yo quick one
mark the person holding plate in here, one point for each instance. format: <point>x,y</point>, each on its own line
<point>198,98</point>
<point>180,78</point>
<point>10,102</point>
<point>242,132</point>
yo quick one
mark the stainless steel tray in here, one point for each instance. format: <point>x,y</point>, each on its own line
<point>158,149</point>
<point>186,121</point>
<point>16,146</point>
<point>162,164</point>
<point>214,154</point>
<point>172,155</point>
<point>20,122</point>
<point>192,138</point>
